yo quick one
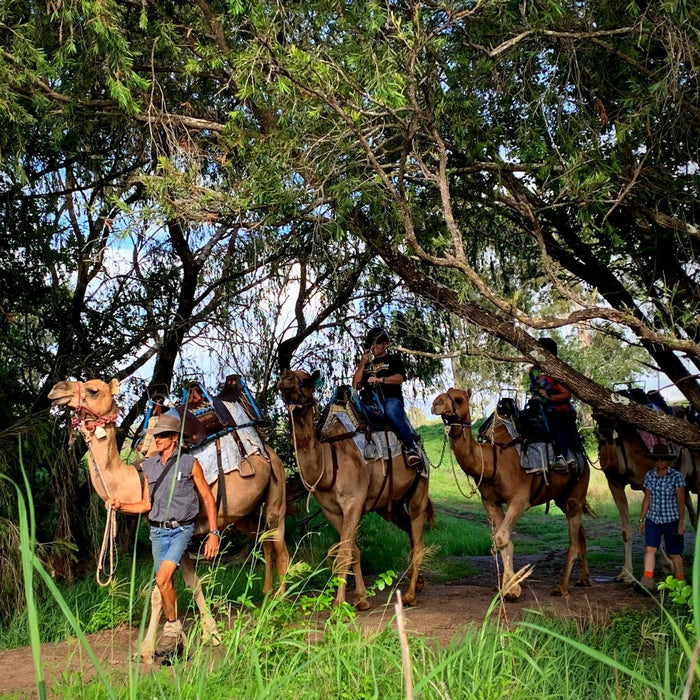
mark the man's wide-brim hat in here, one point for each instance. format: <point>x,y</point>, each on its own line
<point>167,423</point>
<point>661,451</point>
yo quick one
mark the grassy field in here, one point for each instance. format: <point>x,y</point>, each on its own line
<point>275,648</point>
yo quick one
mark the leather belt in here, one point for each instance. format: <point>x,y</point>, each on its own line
<point>170,524</point>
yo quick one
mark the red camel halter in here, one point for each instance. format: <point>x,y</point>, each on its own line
<point>84,418</point>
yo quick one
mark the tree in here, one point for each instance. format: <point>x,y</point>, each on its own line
<point>554,139</point>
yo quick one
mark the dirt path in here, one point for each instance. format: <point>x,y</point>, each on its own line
<point>443,610</point>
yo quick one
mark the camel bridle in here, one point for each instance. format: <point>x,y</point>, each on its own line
<point>303,401</point>
<point>453,420</point>
<point>85,419</point>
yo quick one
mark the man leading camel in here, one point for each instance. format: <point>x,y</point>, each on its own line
<point>173,484</point>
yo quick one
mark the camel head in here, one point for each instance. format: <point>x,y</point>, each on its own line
<point>94,396</point>
<point>297,388</point>
<point>453,406</point>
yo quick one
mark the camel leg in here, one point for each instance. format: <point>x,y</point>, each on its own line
<point>359,599</point>
<point>620,498</point>
<point>576,534</point>
<point>416,512</point>
<point>401,519</point>
<point>504,545</point>
<point>209,631</point>
<point>148,644</point>
<point>690,508</point>
<point>348,556</point>
<point>585,579</point>
<point>274,511</point>
<point>274,545</point>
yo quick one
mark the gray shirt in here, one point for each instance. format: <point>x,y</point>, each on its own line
<point>183,504</point>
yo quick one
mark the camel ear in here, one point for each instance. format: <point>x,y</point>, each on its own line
<point>114,387</point>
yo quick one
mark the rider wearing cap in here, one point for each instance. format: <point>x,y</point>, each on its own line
<point>384,373</point>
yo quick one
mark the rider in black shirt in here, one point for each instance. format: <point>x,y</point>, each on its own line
<point>384,373</point>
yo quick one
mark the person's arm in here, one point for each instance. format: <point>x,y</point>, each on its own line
<point>680,497</point>
<point>142,506</point>
<point>357,377</point>
<point>558,393</point>
<point>645,509</point>
<point>393,379</point>
<point>211,546</point>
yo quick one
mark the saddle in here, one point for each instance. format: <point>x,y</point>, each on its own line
<point>343,403</point>
<point>206,417</point>
<point>532,423</point>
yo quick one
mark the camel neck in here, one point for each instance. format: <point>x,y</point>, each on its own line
<point>111,477</point>
<point>308,450</point>
<point>477,460</point>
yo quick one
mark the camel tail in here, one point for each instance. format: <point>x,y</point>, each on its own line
<point>588,510</point>
<point>430,514</point>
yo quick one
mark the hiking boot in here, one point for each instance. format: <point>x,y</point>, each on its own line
<point>413,459</point>
<point>172,639</point>
<point>648,583</point>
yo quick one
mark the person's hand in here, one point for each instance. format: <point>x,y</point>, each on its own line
<point>113,503</point>
<point>681,527</point>
<point>211,546</point>
<point>641,527</point>
<point>374,380</point>
<point>365,358</point>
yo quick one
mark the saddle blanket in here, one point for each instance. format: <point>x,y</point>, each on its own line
<point>537,456</point>
<point>231,457</point>
<point>378,447</point>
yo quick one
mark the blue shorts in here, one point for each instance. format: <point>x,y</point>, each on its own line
<point>653,532</point>
<point>169,544</point>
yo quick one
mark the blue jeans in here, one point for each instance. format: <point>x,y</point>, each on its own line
<point>562,427</point>
<point>170,544</point>
<point>392,411</point>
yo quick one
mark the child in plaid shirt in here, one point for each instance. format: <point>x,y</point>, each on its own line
<point>663,509</point>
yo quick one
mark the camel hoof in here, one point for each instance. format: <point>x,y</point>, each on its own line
<point>511,591</point>
<point>420,583</point>
<point>212,638</point>
<point>144,658</point>
<point>584,583</point>
<point>560,592</point>
<point>624,577</point>
<point>361,605</point>
<point>409,601</point>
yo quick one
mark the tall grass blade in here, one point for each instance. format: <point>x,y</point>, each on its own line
<point>598,656</point>
<point>25,540</point>
<point>31,562</point>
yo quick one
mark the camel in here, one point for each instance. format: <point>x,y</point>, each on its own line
<point>94,413</point>
<point>495,467</point>
<point>346,486</point>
